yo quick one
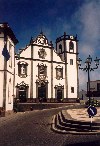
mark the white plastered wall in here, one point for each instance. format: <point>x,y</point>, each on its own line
<point>72,72</point>
<point>10,77</point>
<point>58,82</point>
<point>9,92</point>
<point>1,88</point>
<point>1,68</point>
<point>25,53</point>
<point>35,68</point>
<point>19,79</point>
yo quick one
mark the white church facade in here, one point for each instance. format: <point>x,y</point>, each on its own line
<point>43,73</point>
<point>39,72</point>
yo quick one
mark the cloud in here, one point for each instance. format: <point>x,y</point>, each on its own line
<point>82,80</point>
<point>88,20</point>
<point>87,23</point>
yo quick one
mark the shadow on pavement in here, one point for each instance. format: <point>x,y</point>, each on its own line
<point>93,143</point>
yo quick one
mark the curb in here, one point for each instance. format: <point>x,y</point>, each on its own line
<point>54,129</point>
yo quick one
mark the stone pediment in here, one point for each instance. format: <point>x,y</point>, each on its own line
<point>41,40</point>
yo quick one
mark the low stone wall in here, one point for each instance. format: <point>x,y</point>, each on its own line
<point>32,104</point>
<point>49,100</point>
<point>21,107</point>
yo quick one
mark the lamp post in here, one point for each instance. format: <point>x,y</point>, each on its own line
<point>88,68</point>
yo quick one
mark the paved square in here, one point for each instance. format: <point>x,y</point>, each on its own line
<point>82,114</point>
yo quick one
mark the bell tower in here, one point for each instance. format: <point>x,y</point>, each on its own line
<point>67,49</point>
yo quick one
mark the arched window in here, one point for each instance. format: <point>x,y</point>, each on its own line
<point>60,48</point>
<point>71,46</point>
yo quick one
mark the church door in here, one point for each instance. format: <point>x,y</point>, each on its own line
<point>42,92</point>
<point>59,94</point>
<point>22,94</point>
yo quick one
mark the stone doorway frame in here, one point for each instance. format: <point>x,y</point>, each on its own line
<point>38,84</point>
<point>21,86</point>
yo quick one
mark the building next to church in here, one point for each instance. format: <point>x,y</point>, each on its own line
<point>94,89</point>
<point>43,73</point>
<point>7,66</point>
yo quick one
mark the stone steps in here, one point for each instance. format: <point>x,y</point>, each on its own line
<point>62,124</point>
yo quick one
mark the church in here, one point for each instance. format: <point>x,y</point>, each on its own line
<point>40,72</point>
<point>44,73</point>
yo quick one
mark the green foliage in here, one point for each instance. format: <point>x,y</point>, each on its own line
<point>93,102</point>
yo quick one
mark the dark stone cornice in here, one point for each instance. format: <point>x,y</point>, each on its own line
<point>4,27</point>
<point>50,47</point>
<point>39,60</point>
<point>66,37</point>
<point>68,52</point>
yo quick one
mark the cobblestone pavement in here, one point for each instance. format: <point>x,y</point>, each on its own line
<point>34,129</point>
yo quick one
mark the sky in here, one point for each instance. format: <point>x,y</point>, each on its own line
<point>54,17</point>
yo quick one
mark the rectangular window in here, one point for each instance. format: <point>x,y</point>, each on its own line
<point>72,89</point>
<point>71,61</point>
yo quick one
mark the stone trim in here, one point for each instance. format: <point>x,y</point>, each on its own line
<point>59,87</point>
<point>77,70</point>
<point>14,78</point>
<point>65,58</point>
<point>7,71</point>
<point>18,89</point>
<point>51,73</point>
<point>42,46</point>
<point>69,52</point>
<point>66,37</point>
<point>5,74</point>
<point>38,82</point>
<point>41,60</point>
<point>31,79</point>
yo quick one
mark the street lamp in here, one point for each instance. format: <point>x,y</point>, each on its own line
<point>88,68</point>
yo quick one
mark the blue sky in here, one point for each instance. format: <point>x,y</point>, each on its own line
<point>54,17</point>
